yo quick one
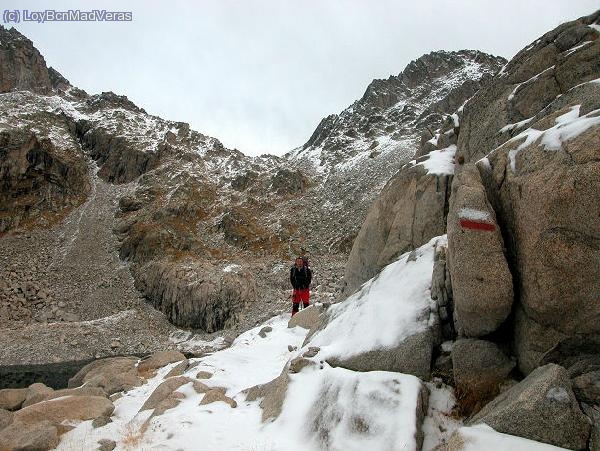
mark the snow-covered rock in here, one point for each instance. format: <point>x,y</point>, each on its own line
<point>388,324</point>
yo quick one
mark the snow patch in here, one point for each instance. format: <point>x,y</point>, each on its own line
<point>440,162</point>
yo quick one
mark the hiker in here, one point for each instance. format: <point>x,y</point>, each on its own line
<point>300,277</point>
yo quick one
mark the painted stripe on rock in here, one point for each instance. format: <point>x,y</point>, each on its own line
<point>477,225</point>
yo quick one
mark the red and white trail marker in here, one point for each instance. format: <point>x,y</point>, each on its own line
<point>471,218</point>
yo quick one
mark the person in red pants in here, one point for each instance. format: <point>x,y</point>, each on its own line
<point>300,277</point>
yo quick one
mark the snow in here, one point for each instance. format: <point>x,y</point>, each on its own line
<point>455,119</point>
<point>231,268</point>
<point>483,437</point>
<point>339,409</point>
<point>352,410</point>
<point>595,26</point>
<point>577,47</point>
<point>386,310</point>
<point>567,126</point>
<point>473,214</point>
<point>440,162</point>
<point>516,125</point>
<point>439,424</point>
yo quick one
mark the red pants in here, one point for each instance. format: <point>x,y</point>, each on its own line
<point>301,295</point>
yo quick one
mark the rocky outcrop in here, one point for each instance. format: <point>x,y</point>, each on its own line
<point>481,281</point>
<point>307,318</point>
<point>536,125</point>
<point>542,407</point>
<point>41,181</point>
<point>410,211</point>
<point>22,67</point>
<point>196,294</point>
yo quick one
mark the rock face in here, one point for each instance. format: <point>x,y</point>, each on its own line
<point>542,407</point>
<point>22,67</point>
<point>49,180</point>
<point>210,303</point>
<point>481,281</point>
<point>410,211</point>
<point>537,126</point>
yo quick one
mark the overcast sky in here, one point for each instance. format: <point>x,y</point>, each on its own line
<point>260,74</point>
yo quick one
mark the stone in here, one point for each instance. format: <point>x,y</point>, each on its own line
<point>542,407</point>
<point>299,363</point>
<point>587,388</point>
<point>106,444</point>
<point>69,408</point>
<point>204,375</point>
<point>165,390</point>
<point>482,288</point>
<point>593,412</point>
<point>311,352</point>
<point>113,374</point>
<point>551,234</point>
<point>43,393</point>
<point>479,369</point>
<point>6,417</point>
<point>411,356</point>
<point>178,369</point>
<point>272,395</point>
<point>306,318</point>
<point>216,396</point>
<point>101,421</point>
<point>209,306</point>
<point>12,398</point>
<point>39,435</point>
<point>158,360</point>
<point>264,331</point>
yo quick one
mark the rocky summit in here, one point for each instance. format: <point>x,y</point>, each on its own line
<point>451,218</point>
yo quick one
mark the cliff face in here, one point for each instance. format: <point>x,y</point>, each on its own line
<point>22,67</point>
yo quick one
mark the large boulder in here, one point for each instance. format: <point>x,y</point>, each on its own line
<point>479,368</point>
<point>6,417</point>
<point>39,436</point>
<point>307,318</point>
<point>158,360</point>
<point>209,303</point>
<point>53,394</point>
<point>481,281</point>
<point>71,408</point>
<point>113,375</point>
<point>542,407</point>
<point>388,325</point>
<point>410,210</point>
<point>165,392</point>
<point>12,398</point>
<point>534,133</point>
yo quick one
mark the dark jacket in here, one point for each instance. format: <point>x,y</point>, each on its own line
<point>300,278</point>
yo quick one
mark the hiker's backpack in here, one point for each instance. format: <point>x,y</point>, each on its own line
<point>305,262</point>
